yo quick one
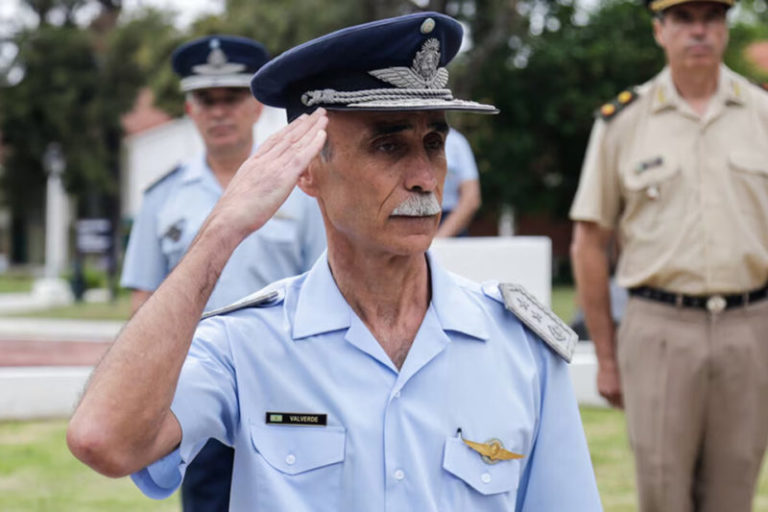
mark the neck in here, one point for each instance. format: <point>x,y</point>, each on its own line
<point>389,293</point>
<point>225,163</point>
<point>696,85</point>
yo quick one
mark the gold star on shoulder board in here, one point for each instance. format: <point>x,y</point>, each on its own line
<point>492,451</point>
<point>608,109</point>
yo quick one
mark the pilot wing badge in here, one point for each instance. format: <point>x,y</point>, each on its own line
<point>492,451</point>
<point>540,320</point>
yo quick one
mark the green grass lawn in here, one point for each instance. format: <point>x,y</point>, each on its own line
<point>119,310</point>
<point>38,474</point>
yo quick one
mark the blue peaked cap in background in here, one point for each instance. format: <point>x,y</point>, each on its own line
<point>391,64</point>
<point>218,61</point>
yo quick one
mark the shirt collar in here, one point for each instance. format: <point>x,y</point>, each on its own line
<point>322,308</point>
<point>730,90</point>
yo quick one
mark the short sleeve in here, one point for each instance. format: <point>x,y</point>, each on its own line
<point>144,266</point>
<point>205,404</point>
<point>559,474</point>
<point>598,196</point>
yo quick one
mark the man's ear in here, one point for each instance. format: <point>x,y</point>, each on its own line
<point>308,182</point>
<point>258,110</point>
<point>657,32</point>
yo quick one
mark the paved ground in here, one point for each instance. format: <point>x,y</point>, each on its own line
<point>43,342</point>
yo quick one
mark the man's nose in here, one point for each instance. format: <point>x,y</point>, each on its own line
<point>422,174</point>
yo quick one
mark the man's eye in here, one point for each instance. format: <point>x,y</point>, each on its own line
<point>387,146</point>
<point>434,144</point>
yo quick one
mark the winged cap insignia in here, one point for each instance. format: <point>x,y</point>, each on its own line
<point>424,72</point>
<point>217,62</point>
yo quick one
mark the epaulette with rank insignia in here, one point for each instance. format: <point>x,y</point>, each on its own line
<point>256,300</point>
<point>540,320</point>
<point>162,178</point>
<point>610,109</point>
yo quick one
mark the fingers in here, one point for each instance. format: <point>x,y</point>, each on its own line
<point>284,139</point>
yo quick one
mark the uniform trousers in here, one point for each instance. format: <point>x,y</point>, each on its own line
<point>208,479</point>
<point>695,389</point>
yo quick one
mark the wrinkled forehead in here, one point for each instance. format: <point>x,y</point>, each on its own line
<point>383,122</point>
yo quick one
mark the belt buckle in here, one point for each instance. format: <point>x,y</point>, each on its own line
<point>716,304</point>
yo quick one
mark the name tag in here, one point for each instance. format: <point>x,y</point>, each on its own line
<point>297,418</point>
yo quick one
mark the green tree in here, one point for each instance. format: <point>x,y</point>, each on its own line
<point>77,82</point>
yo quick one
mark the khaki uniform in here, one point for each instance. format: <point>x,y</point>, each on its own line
<point>688,198</point>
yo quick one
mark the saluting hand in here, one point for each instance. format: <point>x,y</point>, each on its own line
<point>264,181</point>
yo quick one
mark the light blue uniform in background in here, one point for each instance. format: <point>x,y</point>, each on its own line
<point>461,167</point>
<point>391,442</point>
<point>175,208</point>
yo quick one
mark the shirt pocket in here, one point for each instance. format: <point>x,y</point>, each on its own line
<point>298,461</point>
<point>173,237</point>
<point>472,484</point>
<point>293,449</point>
<point>652,193</point>
<point>750,182</point>
<point>752,163</point>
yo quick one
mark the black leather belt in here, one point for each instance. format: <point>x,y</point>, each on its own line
<point>712,303</point>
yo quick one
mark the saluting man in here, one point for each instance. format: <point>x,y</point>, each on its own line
<point>215,74</point>
<point>377,381</point>
<point>678,169</point>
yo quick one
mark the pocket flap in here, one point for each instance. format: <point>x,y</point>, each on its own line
<point>295,449</point>
<point>464,463</point>
<point>644,172</point>
<point>751,162</point>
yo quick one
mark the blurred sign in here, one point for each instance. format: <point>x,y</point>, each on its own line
<point>94,236</point>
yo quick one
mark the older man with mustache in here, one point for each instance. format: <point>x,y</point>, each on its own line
<point>377,381</point>
<point>678,168</point>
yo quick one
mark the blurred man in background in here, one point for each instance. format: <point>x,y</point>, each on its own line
<point>215,74</point>
<point>461,194</point>
<point>679,168</point>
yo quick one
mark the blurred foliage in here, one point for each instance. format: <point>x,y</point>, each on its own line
<point>77,82</point>
<point>545,63</point>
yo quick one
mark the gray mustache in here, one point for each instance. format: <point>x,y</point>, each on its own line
<point>418,205</point>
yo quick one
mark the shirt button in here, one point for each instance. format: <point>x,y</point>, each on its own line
<point>486,478</point>
<point>397,394</point>
<point>399,474</point>
<point>290,459</point>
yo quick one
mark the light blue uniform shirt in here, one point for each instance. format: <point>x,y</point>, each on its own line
<point>461,167</point>
<point>172,212</point>
<point>391,440</point>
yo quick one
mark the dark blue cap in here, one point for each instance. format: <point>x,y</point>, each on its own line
<point>392,64</point>
<point>218,61</point>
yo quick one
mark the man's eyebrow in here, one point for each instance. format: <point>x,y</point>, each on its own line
<point>378,129</point>
<point>439,126</point>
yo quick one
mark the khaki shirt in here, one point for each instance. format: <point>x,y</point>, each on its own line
<point>688,194</point>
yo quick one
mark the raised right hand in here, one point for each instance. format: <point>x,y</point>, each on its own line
<point>264,181</point>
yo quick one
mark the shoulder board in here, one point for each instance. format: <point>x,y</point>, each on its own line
<point>540,320</point>
<point>619,103</point>
<point>162,178</point>
<point>260,299</point>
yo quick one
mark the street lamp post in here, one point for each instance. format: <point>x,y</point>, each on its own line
<point>52,289</point>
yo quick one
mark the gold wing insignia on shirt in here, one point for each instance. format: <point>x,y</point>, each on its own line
<point>492,451</point>
<point>609,110</point>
